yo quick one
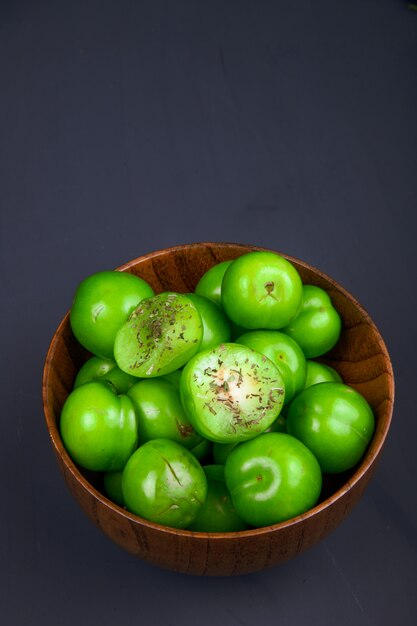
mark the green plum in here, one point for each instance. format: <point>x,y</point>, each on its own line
<point>272,478</point>
<point>321,373</point>
<point>160,413</point>
<point>97,368</point>
<point>217,515</point>
<point>231,393</point>
<point>164,483</point>
<point>210,284</point>
<point>214,471</point>
<point>112,482</point>
<point>221,451</point>
<point>335,422</point>
<point>202,450</point>
<point>216,326</point>
<point>102,303</point>
<point>261,290</point>
<point>160,336</point>
<point>279,425</point>
<point>99,429</point>
<point>317,326</point>
<point>284,352</point>
<point>173,377</point>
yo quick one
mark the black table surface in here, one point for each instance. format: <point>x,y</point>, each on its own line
<point>128,127</point>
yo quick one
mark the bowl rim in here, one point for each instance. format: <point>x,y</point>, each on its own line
<point>367,462</point>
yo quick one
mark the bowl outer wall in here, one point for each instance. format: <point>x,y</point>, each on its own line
<point>361,358</point>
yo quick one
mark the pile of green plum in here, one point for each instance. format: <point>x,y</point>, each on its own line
<point>207,411</point>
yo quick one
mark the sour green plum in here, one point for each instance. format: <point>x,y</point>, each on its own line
<point>173,377</point>
<point>221,451</point>
<point>160,413</point>
<point>100,369</point>
<point>284,352</point>
<point>217,515</point>
<point>102,303</point>
<point>231,393</point>
<point>317,326</point>
<point>210,284</point>
<point>335,422</point>
<point>112,482</point>
<point>160,336</point>
<point>279,425</point>
<point>164,483</point>
<point>99,428</point>
<point>261,290</point>
<point>216,326</point>
<point>272,478</point>
<point>321,373</point>
<point>202,450</point>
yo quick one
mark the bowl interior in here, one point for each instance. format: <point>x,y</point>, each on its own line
<point>360,357</point>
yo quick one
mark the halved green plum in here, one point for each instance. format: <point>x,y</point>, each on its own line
<point>160,336</point>
<point>231,393</point>
<point>284,352</point>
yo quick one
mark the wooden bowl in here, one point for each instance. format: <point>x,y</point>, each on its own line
<point>361,358</point>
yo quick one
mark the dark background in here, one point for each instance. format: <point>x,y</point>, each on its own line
<point>131,126</point>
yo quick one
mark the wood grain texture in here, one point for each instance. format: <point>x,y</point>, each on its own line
<point>362,360</point>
